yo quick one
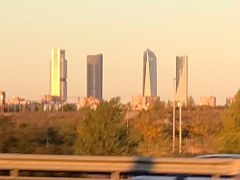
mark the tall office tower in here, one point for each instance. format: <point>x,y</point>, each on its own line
<point>182,79</point>
<point>149,73</point>
<point>94,76</point>
<point>58,74</point>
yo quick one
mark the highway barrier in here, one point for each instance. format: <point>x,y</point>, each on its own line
<point>68,167</point>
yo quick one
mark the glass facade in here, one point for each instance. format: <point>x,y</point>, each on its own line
<point>94,76</point>
<point>182,79</point>
<point>149,74</point>
<point>58,79</point>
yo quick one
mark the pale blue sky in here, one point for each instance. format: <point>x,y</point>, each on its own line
<point>208,31</point>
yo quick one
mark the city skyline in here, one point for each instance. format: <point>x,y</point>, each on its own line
<point>58,69</point>
<point>207,31</point>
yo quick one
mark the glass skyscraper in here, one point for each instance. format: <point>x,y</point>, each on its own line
<point>94,76</point>
<point>58,74</point>
<point>182,79</point>
<point>149,74</point>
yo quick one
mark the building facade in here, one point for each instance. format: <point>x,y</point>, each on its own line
<point>2,98</point>
<point>50,99</point>
<point>95,76</point>
<point>90,102</point>
<point>208,101</point>
<point>58,74</point>
<point>182,79</point>
<point>149,74</point>
<point>143,102</point>
<point>230,100</point>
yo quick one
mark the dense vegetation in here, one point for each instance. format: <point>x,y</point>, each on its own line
<point>103,132</point>
<point>228,138</point>
<point>111,130</point>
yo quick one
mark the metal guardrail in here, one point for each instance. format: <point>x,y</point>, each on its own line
<point>112,167</point>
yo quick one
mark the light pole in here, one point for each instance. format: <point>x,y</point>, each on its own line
<point>174,117</point>
<point>1,102</point>
<point>180,127</point>
<point>127,119</point>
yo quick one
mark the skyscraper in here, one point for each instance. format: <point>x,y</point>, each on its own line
<point>94,76</point>
<point>149,73</point>
<point>182,79</point>
<point>58,74</point>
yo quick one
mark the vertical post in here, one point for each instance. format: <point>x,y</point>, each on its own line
<point>174,117</point>
<point>127,120</point>
<point>180,128</point>
<point>215,177</point>
<point>14,173</point>
<point>115,175</point>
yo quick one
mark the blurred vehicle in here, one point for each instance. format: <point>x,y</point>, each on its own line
<point>220,156</point>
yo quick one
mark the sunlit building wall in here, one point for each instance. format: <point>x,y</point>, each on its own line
<point>90,102</point>
<point>230,100</point>
<point>58,73</point>
<point>143,102</point>
<point>16,100</point>
<point>208,101</point>
<point>182,79</point>
<point>95,76</point>
<point>149,74</point>
<point>2,98</point>
<point>50,99</point>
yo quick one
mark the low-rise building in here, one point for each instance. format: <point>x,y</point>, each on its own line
<point>143,102</point>
<point>230,100</point>
<point>49,98</point>
<point>90,102</point>
<point>16,100</point>
<point>52,103</point>
<point>2,98</point>
<point>16,104</point>
<point>208,101</point>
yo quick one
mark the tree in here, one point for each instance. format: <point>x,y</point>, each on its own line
<point>228,139</point>
<point>202,126</point>
<point>18,137</point>
<point>154,131</point>
<point>103,131</point>
<point>6,133</point>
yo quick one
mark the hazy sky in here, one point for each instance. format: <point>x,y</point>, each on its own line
<point>208,31</point>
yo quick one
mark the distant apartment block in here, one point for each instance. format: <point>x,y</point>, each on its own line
<point>208,101</point>
<point>90,102</point>
<point>95,76</point>
<point>2,97</point>
<point>182,79</point>
<point>16,103</point>
<point>229,101</point>
<point>16,100</point>
<point>52,103</point>
<point>50,99</point>
<point>58,74</point>
<point>2,100</point>
<point>143,102</point>
<point>149,74</point>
